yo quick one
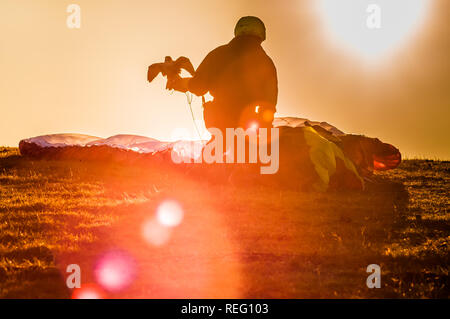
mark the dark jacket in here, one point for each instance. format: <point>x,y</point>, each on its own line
<point>238,75</point>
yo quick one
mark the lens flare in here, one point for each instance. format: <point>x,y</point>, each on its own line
<point>253,126</point>
<point>88,291</point>
<point>154,233</point>
<point>115,271</point>
<point>169,213</point>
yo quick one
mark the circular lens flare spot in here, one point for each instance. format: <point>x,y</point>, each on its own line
<point>253,127</point>
<point>154,233</point>
<point>115,271</point>
<point>169,213</point>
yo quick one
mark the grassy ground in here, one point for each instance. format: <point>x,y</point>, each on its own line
<point>256,241</point>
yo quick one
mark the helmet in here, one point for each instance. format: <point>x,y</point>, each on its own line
<point>250,26</point>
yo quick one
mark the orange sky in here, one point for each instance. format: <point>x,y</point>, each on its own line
<point>92,80</point>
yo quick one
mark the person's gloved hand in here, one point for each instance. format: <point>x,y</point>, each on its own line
<point>177,83</point>
<point>172,82</point>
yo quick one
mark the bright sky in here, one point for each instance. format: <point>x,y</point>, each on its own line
<point>391,82</point>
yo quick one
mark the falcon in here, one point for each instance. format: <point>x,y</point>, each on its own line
<point>170,68</point>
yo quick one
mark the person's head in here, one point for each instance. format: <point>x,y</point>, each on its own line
<point>250,26</point>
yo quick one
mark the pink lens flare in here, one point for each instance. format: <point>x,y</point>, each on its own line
<point>169,213</point>
<point>154,233</point>
<point>88,291</point>
<point>115,271</point>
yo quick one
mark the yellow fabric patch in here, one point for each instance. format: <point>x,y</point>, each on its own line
<point>323,154</point>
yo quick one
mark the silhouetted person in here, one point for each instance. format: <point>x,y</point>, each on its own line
<point>240,76</point>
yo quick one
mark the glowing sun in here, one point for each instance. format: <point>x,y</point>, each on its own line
<point>371,28</point>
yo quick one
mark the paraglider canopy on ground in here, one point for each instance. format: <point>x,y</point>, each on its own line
<point>327,155</point>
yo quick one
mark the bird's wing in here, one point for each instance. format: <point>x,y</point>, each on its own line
<point>154,70</point>
<point>184,63</point>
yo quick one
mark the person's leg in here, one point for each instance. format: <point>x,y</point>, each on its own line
<point>215,118</point>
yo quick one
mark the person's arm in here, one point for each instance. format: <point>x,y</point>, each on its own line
<point>196,84</point>
<point>269,89</point>
<point>201,82</point>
